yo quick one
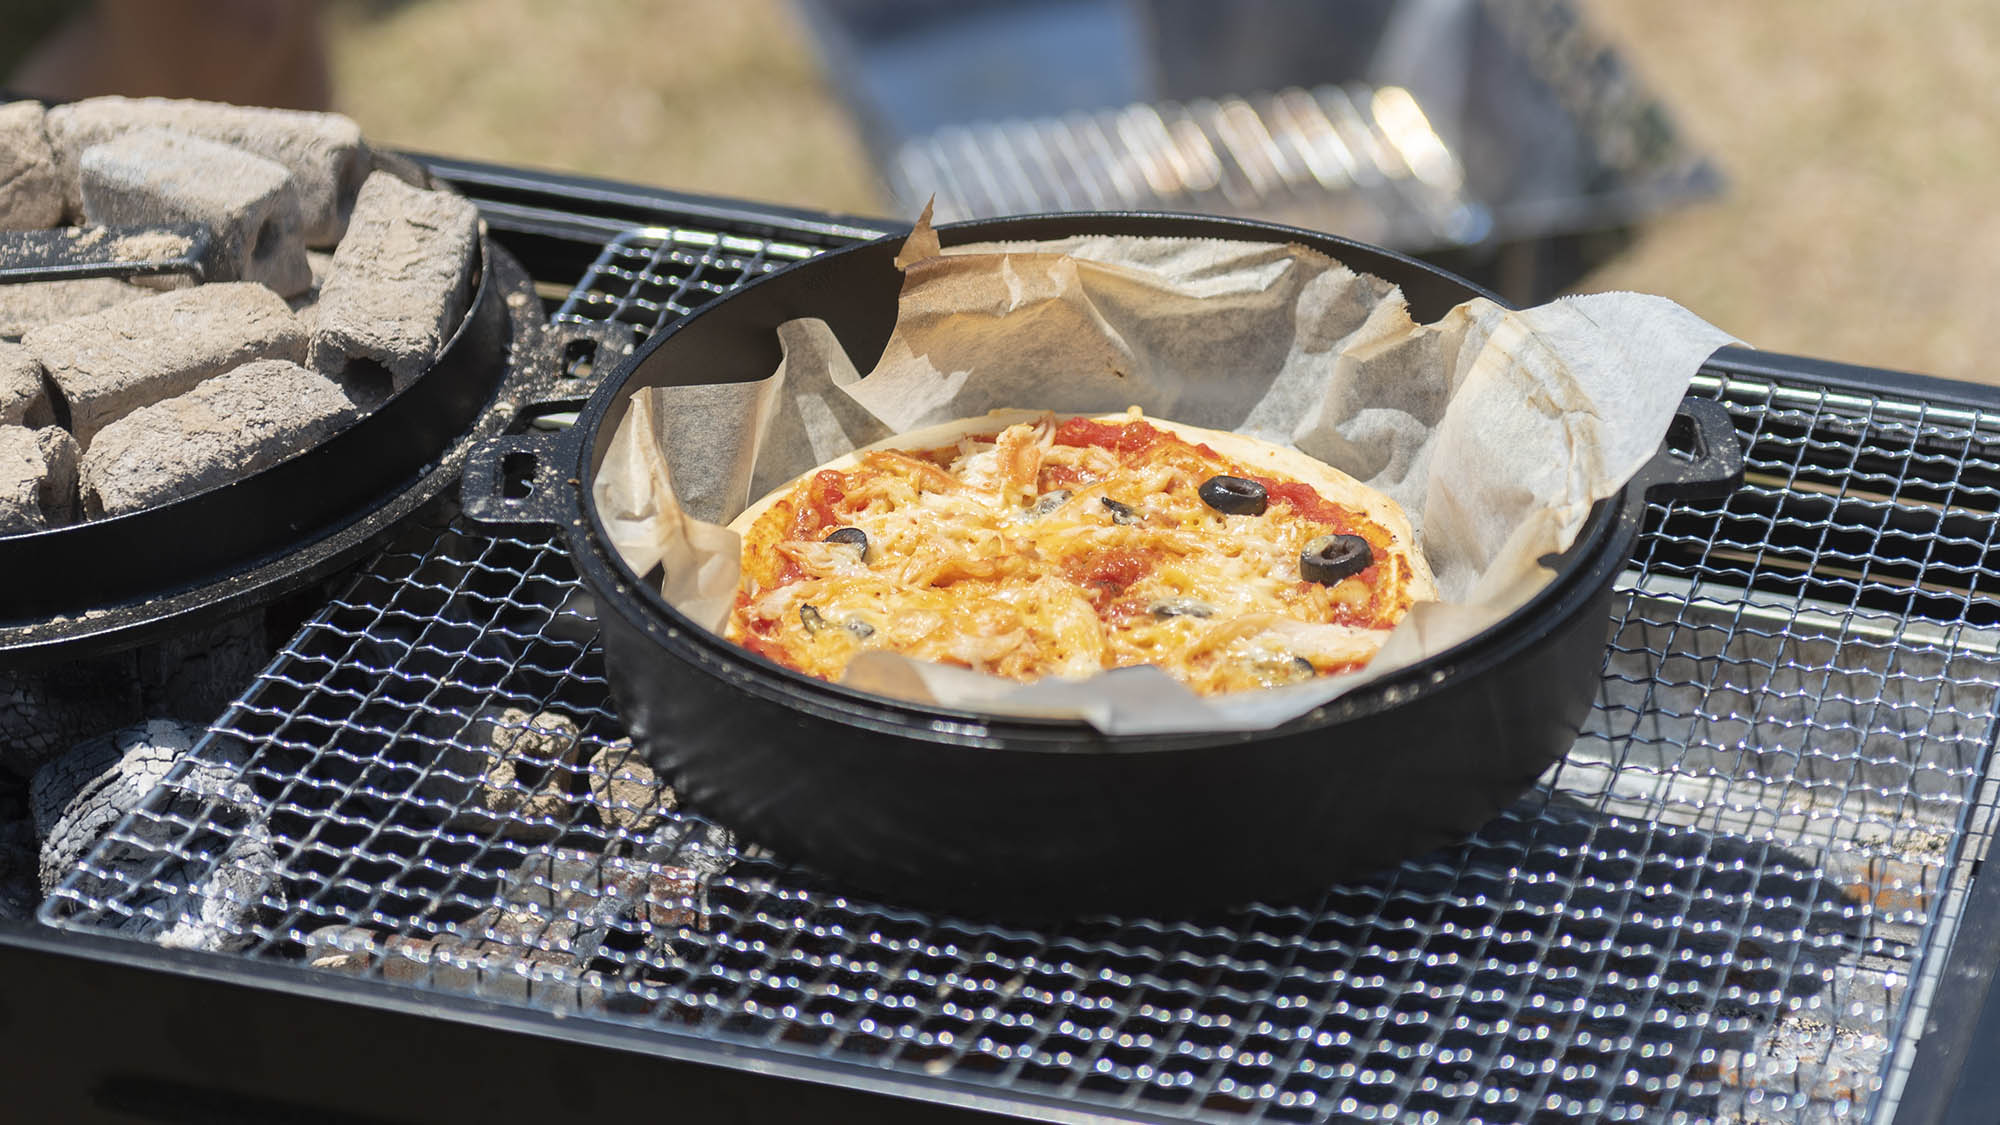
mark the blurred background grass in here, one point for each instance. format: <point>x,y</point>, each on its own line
<point>1861,140</point>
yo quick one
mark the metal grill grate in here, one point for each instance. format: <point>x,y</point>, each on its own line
<point>1324,158</point>
<point>647,277</point>
<point>1721,904</point>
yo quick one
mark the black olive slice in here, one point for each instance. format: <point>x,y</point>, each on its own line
<point>1181,607</point>
<point>852,536</point>
<point>1279,668</point>
<point>1330,558</point>
<point>1051,501</point>
<point>809,616</point>
<point>1120,513</point>
<point>1234,496</point>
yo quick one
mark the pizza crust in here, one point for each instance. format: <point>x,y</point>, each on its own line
<point>1278,460</point>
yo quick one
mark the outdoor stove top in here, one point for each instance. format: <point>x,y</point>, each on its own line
<point>1732,900</point>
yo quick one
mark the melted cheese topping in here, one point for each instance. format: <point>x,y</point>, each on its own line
<point>1062,550</point>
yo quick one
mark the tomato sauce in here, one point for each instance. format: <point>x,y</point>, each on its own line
<point>766,648</point>
<point>1124,440</point>
<point>1107,573</point>
<point>1054,476</point>
<point>823,495</point>
<point>1307,503</point>
<point>1137,437</point>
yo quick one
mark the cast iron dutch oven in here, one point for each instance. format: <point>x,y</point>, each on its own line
<point>1044,818</point>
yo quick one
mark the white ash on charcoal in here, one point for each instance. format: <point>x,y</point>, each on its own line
<point>323,151</point>
<point>624,790</point>
<point>225,428</point>
<point>24,397</point>
<point>28,305</point>
<point>504,770</point>
<point>401,281</point>
<point>31,195</point>
<point>38,479</point>
<point>218,902</point>
<point>555,915</point>
<point>195,869</point>
<point>151,177</point>
<point>569,900</point>
<point>108,364</point>
<point>569,906</point>
<point>706,849</point>
<point>549,981</point>
<point>102,243</point>
<point>80,794</point>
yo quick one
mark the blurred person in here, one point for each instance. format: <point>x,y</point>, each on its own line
<point>251,52</point>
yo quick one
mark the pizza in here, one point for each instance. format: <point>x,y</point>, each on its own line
<point>1028,545</point>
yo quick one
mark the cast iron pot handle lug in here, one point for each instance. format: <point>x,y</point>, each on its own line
<point>1701,458</point>
<point>515,481</point>
<point>576,357</point>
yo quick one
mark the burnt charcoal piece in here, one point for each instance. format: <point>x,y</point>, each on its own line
<point>323,151</point>
<point>504,769</point>
<point>152,177</point>
<point>30,190</point>
<point>548,978</point>
<point>206,890</point>
<point>223,429</point>
<point>28,305</point>
<point>567,900</point>
<point>401,280</point>
<point>624,789</point>
<point>110,363</point>
<point>24,401</point>
<point>79,795</point>
<point>38,470</point>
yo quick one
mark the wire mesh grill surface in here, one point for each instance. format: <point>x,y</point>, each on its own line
<point>1322,158</point>
<point>1715,907</point>
<point>648,277</point>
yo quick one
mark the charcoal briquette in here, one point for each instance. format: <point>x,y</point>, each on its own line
<point>38,474</point>
<point>152,177</point>
<point>31,195</point>
<point>323,151</point>
<point>225,428</point>
<point>400,281</point>
<point>107,364</point>
<point>24,401</point>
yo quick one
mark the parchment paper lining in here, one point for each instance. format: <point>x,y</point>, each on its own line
<point>1495,430</point>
